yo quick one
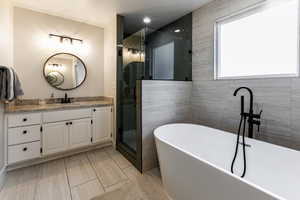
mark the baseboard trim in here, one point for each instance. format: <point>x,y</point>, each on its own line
<point>2,177</point>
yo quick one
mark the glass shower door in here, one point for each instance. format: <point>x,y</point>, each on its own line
<point>129,76</point>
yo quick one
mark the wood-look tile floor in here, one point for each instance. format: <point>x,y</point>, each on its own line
<point>80,177</point>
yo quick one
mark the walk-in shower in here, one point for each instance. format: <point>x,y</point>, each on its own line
<point>163,54</point>
<point>130,74</point>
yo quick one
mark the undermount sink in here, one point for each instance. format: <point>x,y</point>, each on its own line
<point>73,103</point>
<point>65,104</point>
<point>68,103</point>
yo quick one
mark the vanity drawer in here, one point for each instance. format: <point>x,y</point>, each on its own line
<point>63,115</point>
<point>23,152</point>
<point>25,119</point>
<point>23,135</point>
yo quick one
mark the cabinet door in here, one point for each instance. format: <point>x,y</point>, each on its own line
<point>80,133</point>
<point>55,137</point>
<point>102,122</point>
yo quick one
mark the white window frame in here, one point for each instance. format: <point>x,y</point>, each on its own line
<point>238,15</point>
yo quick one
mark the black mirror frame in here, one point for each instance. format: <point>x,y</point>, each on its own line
<point>44,66</point>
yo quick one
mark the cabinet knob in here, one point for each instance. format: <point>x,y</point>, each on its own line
<point>67,123</point>
<point>71,123</point>
<point>94,110</point>
<point>24,132</point>
<point>25,149</point>
<point>24,119</point>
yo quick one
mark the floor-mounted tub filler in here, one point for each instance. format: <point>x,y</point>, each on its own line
<point>195,164</point>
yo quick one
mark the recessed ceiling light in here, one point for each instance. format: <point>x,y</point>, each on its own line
<point>147,20</point>
<point>177,30</point>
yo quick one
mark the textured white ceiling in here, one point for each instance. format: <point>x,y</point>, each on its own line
<point>102,12</point>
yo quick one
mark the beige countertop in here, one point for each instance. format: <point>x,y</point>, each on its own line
<point>56,106</point>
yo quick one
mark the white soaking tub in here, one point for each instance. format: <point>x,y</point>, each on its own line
<point>195,165</point>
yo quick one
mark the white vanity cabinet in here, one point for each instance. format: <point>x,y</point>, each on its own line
<point>55,137</point>
<point>40,134</point>
<point>80,133</point>
<point>24,119</point>
<point>63,136</point>
<point>23,136</point>
<point>102,124</point>
<point>66,129</point>
<point>24,151</point>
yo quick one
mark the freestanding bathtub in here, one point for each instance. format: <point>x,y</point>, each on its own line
<point>195,165</point>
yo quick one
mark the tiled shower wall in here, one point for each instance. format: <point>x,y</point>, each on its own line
<point>163,102</point>
<point>213,103</point>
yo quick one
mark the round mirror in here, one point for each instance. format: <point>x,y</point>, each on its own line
<point>64,71</point>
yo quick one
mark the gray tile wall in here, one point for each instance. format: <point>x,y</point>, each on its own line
<point>163,102</point>
<point>212,101</point>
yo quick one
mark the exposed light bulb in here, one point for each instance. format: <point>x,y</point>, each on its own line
<point>77,43</point>
<point>66,40</point>
<point>147,20</point>
<point>177,30</point>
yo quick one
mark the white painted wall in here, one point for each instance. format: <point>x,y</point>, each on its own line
<point>32,47</point>
<point>6,59</point>
<point>110,64</point>
<point>6,33</point>
<point>110,58</point>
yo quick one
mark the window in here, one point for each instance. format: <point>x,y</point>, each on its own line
<point>261,41</point>
<point>163,62</point>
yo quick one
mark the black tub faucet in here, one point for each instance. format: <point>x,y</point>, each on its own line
<point>253,119</point>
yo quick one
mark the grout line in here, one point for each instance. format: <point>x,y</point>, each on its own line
<point>93,167</point>
<point>72,157</point>
<point>118,165</point>
<point>123,169</point>
<point>38,179</point>
<point>106,187</point>
<point>123,181</point>
<point>80,184</point>
<point>111,156</point>
<point>65,166</point>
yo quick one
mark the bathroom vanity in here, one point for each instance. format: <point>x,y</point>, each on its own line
<point>34,132</point>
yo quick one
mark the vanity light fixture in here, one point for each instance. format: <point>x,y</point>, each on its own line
<point>133,51</point>
<point>54,65</point>
<point>63,39</point>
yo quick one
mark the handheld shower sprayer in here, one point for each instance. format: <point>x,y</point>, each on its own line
<point>252,119</point>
